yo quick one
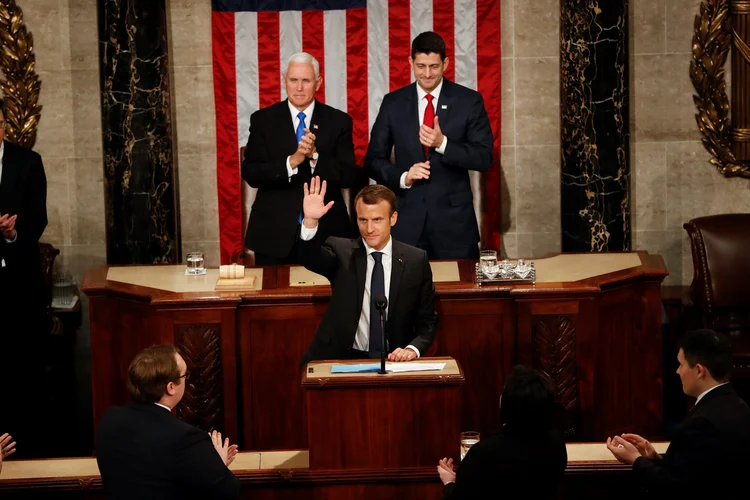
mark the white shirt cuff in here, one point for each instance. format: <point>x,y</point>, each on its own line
<point>312,165</point>
<point>13,240</point>
<point>307,234</point>
<point>402,182</point>
<point>289,170</point>
<point>414,349</point>
<point>441,149</point>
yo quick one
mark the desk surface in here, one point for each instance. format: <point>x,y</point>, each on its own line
<point>14,470</point>
<point>567,271</point>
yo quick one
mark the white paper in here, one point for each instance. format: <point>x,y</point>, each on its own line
<point>413,367</point>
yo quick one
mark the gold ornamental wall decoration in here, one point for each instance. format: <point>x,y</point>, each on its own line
<point>714,35</point>
<point>21,85</point>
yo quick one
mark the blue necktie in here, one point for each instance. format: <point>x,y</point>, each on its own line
<point>377,287</point>
<point>300,135</point>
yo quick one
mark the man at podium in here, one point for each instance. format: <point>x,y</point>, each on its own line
<point>361,270</point>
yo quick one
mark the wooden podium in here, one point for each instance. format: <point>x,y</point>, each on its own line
<point>374,421</point>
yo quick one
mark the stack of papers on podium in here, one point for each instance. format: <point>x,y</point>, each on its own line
<point>390,367</point>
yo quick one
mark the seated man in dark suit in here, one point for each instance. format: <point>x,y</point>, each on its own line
<point>528,454</point>
<point>360,270</point>
<point>145,452</point>
<point>708,457</point>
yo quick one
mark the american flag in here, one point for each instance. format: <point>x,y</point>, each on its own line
<point>363,48</point>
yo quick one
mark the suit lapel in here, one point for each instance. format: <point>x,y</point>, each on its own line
<point>397,271</point>
<point>412,131</point>
<point>289,136</point>
<point>360,264</point>
<point>445,103</point>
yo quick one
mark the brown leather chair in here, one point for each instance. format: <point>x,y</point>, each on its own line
<point>720,289</point>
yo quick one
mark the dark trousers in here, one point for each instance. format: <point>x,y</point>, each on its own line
<point>437,248</point>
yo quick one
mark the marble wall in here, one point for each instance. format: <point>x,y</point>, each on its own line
<point>672,179</point>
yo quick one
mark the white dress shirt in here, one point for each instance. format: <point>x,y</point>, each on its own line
<point>295,121</point>
<point>164,406</point>
<point>362,337</point>
<point>421,107</point>
<point>706,392</point>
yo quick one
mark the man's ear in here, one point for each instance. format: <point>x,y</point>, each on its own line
<point>702,371</point>
<point>394,218</point>
<point>171,389</point>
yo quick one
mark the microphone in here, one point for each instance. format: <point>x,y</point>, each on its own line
<point>381,302</point>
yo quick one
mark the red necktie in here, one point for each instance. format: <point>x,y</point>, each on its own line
<point>429,118</point>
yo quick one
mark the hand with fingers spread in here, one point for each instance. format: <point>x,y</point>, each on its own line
<point>644,447</point>
<point>223,449</point>
<point>402,355</point>
<point>445,469</point>
<point>314,205</point>
<point>624,451</point>
<point>431,137</point>
<point>417,171</point>
<point>7,446</point>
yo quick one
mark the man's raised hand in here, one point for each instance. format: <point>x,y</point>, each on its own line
<point>314,205</point>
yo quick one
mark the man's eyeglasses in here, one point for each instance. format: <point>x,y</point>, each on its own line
<point>186,376</point>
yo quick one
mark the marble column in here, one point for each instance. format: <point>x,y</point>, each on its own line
<point>594,103</point>
<point>141,202</point>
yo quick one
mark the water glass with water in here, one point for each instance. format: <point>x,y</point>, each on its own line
<point>62,289</point>
<point>468,439</point>
<point>488,263</point>
<point>196,263</point>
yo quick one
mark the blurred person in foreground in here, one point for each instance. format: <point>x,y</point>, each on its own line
<point>528,454</point>
<point>7,448</point>
<point>708,456</point>
<point>145,452</point>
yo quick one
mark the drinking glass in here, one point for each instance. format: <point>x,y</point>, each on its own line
<point>488,263</point>
<point>62,289</point>
<point>196,263</point>
<point>468,439</point>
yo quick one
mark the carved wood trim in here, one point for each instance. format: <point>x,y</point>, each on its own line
<point>200,347</point>
<point>554,353</point>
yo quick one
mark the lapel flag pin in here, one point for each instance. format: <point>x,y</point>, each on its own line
<point>444,106</point>
<point>315,126</point>
<point>401,261</point>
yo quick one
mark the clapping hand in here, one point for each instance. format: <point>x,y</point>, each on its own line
<point>445,469</point>
<point>431,137</point>
<point>644,447</point>
<point>624,451</point>
<point>8,225</point>
<point>7,446</point>
<point>226,452</point>
<point>305,149</point>
<point>314,205</point>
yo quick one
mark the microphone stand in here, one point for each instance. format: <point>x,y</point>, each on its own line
<point>384,347</point>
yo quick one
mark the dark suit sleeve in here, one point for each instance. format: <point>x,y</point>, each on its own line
<point>377,159</point>
<point>469,477</point>
<point>426,324</point>
<point>32,217</point>
<point>318,257</point>
<point>339,168</point>
<point>202,469</point>
<point>476,152</point>
<point>259,168</point>
<point>698,451</point>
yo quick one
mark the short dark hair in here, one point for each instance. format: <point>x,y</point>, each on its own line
<point>150,372</point>
<point>710,349</point>
<point>428,42</point>
<point>374,194</point>
<point>528,402</point>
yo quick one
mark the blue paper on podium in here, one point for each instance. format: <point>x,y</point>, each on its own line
<point>358,368</point>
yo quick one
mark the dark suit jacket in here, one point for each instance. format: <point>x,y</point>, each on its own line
<point>411,299</point>
<point>23,192</point>
<point>532,464</point>
<point>273,223</point>
<point>708,457</point>
<point>145,452</point>
<point>446,195</point>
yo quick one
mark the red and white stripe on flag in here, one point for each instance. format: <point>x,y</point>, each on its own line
<point>363,48</point>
